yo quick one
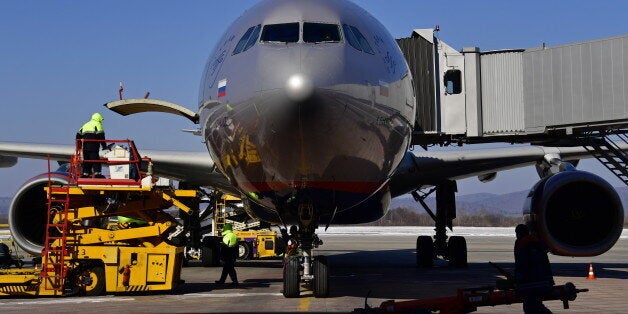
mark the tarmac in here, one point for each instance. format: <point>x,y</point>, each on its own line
<point>379,260</point>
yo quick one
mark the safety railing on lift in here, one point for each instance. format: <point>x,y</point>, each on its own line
<point>121,153</point>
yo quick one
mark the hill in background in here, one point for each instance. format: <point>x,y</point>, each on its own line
<point>5,202</point>
<point>509,204</point>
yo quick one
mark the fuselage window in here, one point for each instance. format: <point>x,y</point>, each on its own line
<point>363,42</point>
<point>320,33</point>
<point>253,38</point>
<point>245,38</point>
<point>350,37</point>
<point>283,33</point>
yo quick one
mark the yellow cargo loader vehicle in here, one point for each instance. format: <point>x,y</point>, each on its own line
<point>84,253</point>
<point>256,244</point>
<point>255,241</point>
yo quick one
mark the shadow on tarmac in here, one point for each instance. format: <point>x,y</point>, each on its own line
<point>392,274</point>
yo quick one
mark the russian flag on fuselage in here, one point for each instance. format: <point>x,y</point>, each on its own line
<point>222,88</point>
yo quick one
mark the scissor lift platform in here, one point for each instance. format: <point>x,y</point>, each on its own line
<point>86,252</point>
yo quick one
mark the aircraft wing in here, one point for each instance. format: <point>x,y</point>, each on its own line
<point>192,167</point>
<point>421,168</point>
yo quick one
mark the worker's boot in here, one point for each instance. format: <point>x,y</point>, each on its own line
<point>98,175</point>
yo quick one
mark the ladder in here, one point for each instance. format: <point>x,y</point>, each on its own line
<point>608,151</point>
<point>55,249</point>
<point>219,216</point>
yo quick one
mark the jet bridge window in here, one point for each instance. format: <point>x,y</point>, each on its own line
<point>281,33</point>
<point>248,39</point>
<point>453,82</point>
<point>320,33</point>
<point>356,39</point>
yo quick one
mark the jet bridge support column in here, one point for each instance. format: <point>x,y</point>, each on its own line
<point>445,214</point>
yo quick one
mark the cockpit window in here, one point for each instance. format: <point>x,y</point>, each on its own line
<point>283,33</point>
<point>363,42</point>
<point>253,38</point>
<point>320,33</point>
<point>245,38</point>
<point>350,37</point>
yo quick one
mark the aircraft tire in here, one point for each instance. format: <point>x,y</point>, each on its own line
<point>457,251</point>
<point>291,277</point>
<point>424,252</point>
<point>321,277</point>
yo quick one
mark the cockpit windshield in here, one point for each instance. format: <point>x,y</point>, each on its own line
<point>320,33</point>
<point>283,33</point>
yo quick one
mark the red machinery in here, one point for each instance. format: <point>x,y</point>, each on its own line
<point>468,300</point>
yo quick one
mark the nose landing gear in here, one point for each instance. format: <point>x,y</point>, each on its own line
<point>302,267</point>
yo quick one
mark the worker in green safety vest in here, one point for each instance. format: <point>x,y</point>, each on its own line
<point>229,253</point>
<point>92,131</point>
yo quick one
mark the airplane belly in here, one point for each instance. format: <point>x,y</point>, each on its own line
<point>333,148</point>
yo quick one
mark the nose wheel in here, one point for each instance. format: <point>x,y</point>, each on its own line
<point>292,277</point>
<point>302,267</point>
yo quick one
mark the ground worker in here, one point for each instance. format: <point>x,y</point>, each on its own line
<point>229,253</point>
<point>533,273</point>
<point>92,130</point>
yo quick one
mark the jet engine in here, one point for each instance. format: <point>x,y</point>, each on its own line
<point>575,213</point>
<point>29,210</point>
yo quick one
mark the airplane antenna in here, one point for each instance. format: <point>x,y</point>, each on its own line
<point>146,95</point>
<point>120,90</point>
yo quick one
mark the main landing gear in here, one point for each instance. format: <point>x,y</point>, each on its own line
<point>427,249</point>
<point>302,267</point>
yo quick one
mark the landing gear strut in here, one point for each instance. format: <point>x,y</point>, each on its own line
<point>455,249</point>
<point>303,267</point>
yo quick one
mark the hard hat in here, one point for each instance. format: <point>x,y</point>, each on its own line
<point>226,227</point>
<point>97,117</point>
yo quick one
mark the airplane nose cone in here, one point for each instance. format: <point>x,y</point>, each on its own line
<point>299,87</point>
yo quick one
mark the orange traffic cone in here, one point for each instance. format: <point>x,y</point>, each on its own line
<point>591,274</point>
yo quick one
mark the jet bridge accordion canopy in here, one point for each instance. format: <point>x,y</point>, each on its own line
<point>518,92</point>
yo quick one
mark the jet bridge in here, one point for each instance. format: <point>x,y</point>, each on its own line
<point>516,95</point>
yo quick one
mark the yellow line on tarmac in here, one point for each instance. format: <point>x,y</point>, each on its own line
<point>304,304</point>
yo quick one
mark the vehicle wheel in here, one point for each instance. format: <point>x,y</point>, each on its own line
<point>244,250</point>
<point>97,281</point>
<point>457,246</point>
<point>321,277</point>
<point>291,277</point>
<point>424,252</point>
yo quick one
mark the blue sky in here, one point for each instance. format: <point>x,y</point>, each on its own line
<point>61,60</point>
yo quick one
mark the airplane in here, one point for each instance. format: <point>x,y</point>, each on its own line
<point>307,110</point>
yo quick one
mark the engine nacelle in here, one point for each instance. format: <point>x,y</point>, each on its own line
<point>575,213</point>
<point>29,210</point>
